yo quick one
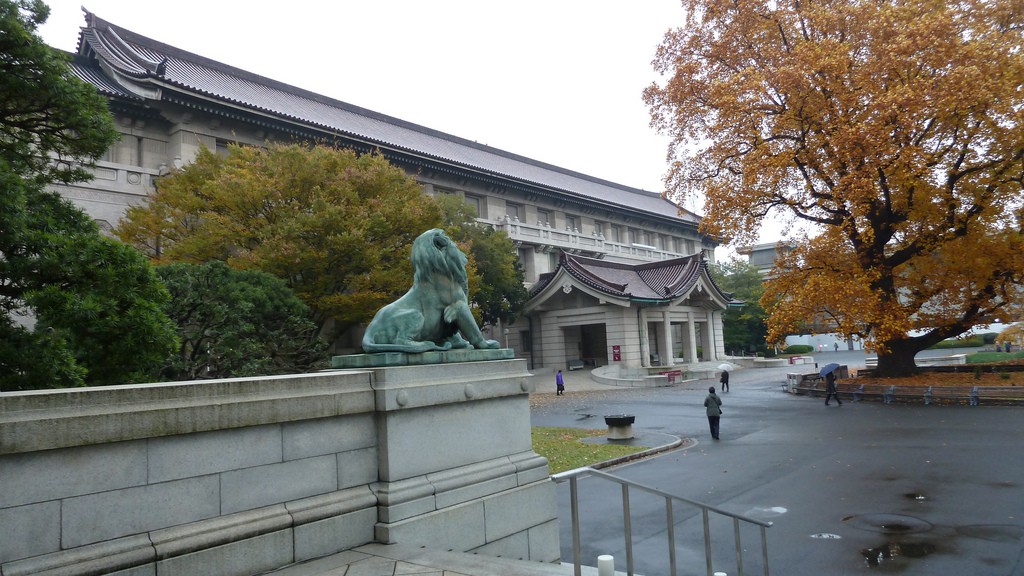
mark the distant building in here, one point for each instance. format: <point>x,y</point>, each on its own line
<point>763,256</point>
<point>168,103</point>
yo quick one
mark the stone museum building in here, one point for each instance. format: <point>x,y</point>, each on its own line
<point>618,276</point>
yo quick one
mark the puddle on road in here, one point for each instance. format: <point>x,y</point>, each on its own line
<point>888,523</point>
<point>993,532</point>
<point>897,526</point>
<point>760,512</point>
<point>891,550</point>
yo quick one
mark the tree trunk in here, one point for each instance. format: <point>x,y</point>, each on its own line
<point>899,360</point>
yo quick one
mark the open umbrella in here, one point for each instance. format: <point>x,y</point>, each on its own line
<point>828,368</point>
<point>725,366</point>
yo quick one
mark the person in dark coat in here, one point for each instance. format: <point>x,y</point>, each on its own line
<point>559,384</point>
<point>724,381</point>
<point>714,409</point>
<point>830,388</point>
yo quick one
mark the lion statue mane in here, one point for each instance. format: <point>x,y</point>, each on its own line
<point>434,314</point>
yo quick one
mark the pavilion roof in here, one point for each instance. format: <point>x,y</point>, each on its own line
<point>660,282</point>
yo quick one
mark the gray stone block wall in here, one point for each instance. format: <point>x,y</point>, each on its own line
<point>251,474</point>
<point>122,479</point>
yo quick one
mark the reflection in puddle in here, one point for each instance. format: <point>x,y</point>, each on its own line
<point>993,532</point>
<point>875,556</point>
<point>888,523</point>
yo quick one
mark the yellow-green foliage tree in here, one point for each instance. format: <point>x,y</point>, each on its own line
<point>1013,334</point>
<point>892,128</point>
<point>335,225</point>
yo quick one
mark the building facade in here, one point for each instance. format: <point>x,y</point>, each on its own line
<point>168,103</point>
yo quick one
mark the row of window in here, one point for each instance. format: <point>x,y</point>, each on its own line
<point>611,232</point>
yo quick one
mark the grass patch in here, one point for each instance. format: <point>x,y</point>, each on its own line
<point>564,450</point>
<point>993,357</point>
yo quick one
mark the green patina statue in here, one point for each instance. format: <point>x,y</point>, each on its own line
<point>434,314</point>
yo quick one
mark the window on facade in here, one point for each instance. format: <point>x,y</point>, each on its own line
<point>616,233</point>
<point>526,260</point>
<point>649,238</point>
<point>572,222</point>
<point>690,248</point>
<point>543,217</point>
<point>677,245</point>
<point>514,211</point>
<point>634,236</point>
<point>474,202</point>
<point>553,261</point>
<point>599,228</point>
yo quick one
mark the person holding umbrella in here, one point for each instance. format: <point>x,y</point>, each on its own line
<point>724,380</point>
<point>829,372</point>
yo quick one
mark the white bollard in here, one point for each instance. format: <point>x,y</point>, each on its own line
<point>606,565</point>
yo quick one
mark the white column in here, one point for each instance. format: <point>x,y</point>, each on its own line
<point>666,339</point>
<point>712,337</point>
<point>716,321</point>
<point>707,344</point>
<point>645,345</point>
<point>691,333</point>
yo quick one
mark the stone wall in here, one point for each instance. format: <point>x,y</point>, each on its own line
<point>242,476</point>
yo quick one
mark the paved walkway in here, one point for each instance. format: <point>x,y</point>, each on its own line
<point>858,489</point>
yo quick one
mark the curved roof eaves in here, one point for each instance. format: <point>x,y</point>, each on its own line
<point>218,80</point>
<point>94,76</point>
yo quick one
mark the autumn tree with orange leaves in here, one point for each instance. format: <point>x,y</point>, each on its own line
<point>891,129</point>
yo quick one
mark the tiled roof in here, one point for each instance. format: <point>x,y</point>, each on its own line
<point>147,61</point>
<point>661,281</point>
<point>91,74</point>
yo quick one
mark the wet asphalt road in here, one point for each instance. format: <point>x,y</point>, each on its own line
<point>864,488</point>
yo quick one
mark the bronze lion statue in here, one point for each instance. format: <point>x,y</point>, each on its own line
<point>434,314</point>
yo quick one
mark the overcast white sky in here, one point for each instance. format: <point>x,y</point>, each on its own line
<point>558,81</point>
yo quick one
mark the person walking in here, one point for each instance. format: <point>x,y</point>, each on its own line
<point>714,409</point>
<point>830,388</point>
<point>724,381</point>
<point>559,384</point>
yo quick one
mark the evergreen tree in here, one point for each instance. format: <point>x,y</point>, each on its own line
<point>75,308</point>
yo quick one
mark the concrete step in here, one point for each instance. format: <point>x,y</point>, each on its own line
<point>380,559</point>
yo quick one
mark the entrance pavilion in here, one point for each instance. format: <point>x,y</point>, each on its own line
<point>635,316</point>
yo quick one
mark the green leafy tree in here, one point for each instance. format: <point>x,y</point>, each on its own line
<point>336,226</point>
<point>237,323</point>
<point>75,308</point>
<point>744,327</point>
<point>496,279</point>
<point>49,120</point>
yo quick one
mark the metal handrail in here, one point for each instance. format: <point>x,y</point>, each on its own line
<point>572,476</point>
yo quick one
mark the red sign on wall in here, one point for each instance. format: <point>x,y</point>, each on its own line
<point>616,354</point>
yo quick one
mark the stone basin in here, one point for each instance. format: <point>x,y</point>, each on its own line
<point>620,426</point>
<point>620,420</point>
